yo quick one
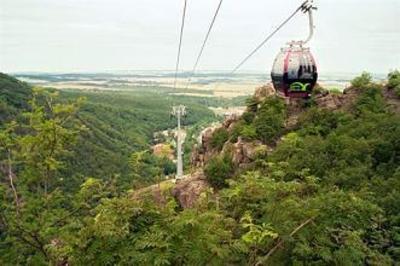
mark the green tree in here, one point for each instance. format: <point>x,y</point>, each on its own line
<point>31,218</point>
<point>248,132</point>
<point>218,170</point>
<point>269,122</point>
<point>146,168</point>
<point>394,81</point>
<point>219,137</point>
<point>362,81</point>
<point>327,194</point>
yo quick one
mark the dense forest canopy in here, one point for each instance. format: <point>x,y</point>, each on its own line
<point>116,124</point>
<point>122,123</point>
<point>326,192</point>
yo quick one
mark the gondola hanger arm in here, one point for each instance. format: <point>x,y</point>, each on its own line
<point>307,7</point>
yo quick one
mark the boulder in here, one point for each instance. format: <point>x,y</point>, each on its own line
<point>243,152</point>
<point>264,91</point>
<point>203,151</point>
<point>230,120</point>
<point>329,101</point>
<point>188,190</point>
<point>206,136</point>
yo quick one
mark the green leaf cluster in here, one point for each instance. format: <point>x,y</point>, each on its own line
<point>328,194</point>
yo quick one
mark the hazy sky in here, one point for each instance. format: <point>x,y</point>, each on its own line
<point>107,35</point>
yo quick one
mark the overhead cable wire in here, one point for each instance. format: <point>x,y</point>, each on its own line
<point>207,35</point>
<point>205,41</point>
<point>180,42</point>
<point>269,37</point>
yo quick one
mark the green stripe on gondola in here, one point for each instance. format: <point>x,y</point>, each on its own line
<point>298,86</point>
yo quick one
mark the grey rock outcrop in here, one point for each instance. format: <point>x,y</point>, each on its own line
<point>263,92</point>
<point>188,190</point>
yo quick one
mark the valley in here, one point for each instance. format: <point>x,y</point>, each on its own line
<point>84,177</point>
<point>204,84</point>
<point>199,133</point>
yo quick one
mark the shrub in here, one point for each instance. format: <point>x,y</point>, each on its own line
<point>397,90</point>
<point>317,90</point>
<point>270,120</point>
<point>236,130</point>
<point>167,166</point>
<point>219,137</point>
<point>335,91</point>
<point>218,170</point>
<point>371,101</point>
<point>362,81</point>
<point>248,117</point>
<point>248,132</point>
<point>316,121</point>
<point>252,104</point>
<point>394,81</point>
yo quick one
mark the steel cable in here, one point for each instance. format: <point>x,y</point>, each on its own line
<point>204,42</point>
<point>180,42</point>
<point>268,38</point>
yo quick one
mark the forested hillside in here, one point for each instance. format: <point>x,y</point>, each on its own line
<point>322,186</point>
<point>13,97</point>
<point>122,123</point>
<point>116,124</point>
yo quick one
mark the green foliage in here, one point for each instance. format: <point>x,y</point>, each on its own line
<point>252,104</point>
<point>248,117</point>
<point>270,119</point>
<point>321,122</point>
<point>309,224</point>
<point>168,166</point>
<point>370,101</point>
<point>318,90</point>
<point>394,81</point>
<point>191,140</point>
<point>256,234</point>
<point>34,159</point>
<point>362,81</point>
<point>219,137</point>
<point>14,96</point>
<point>397,90</point>
<point>328,194</point>
<point>140,233</point>
<point>236,130</point>
<point>245,126</point>
<point>218,170</point>
<point>147,169</point>
<point>121,123</point>
<point>248,132</point>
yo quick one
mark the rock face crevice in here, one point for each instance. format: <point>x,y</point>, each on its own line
<point>202,151</point>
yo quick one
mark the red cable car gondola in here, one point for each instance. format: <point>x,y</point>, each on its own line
<point>294,72</point>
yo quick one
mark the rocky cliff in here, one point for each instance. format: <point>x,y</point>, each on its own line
<point>243,152</point>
